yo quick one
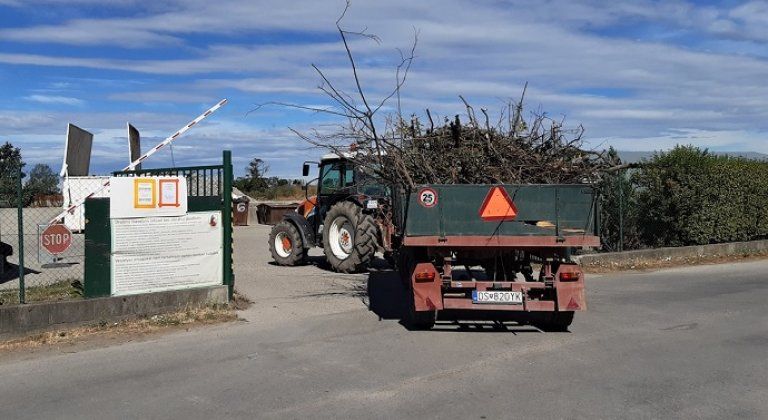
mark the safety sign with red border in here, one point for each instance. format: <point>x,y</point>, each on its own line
<point>427,197</point>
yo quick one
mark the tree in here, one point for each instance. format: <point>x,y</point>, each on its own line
<point>42,181</point>
<point>255,179</point>
<point>257,168</point>
<point>10,161</point>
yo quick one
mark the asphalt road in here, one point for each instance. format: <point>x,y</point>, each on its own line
<point>681,343</point>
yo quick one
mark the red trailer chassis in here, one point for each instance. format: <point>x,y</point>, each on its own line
<point>559,289</point>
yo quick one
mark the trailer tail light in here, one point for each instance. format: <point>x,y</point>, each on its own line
<point>569,276</point>
<point>425,276</point>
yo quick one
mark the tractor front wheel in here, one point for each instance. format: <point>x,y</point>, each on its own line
<point>286,245</point>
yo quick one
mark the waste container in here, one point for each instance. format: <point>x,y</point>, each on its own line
<point>271,214</point>
<point>240,211</point>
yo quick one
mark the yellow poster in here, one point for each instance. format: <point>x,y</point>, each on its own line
<point>144,193</point>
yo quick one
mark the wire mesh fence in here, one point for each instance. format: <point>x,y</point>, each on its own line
<point>32,270</point>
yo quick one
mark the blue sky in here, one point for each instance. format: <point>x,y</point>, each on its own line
<point>639,75</point>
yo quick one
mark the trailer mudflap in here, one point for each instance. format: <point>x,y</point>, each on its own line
<point>570,293</point>
<point>427,288</point>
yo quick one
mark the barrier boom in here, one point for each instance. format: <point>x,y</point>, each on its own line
<point>143,157</point>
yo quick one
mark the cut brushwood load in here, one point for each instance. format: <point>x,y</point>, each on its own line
<point>512,150</point>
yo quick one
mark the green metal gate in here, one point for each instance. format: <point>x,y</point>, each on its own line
<point>209,188</point>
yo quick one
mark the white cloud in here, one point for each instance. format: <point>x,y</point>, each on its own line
<point>55,100</point>
<point>167,97</point>
<point>483,50</point>
<point>716,140</point>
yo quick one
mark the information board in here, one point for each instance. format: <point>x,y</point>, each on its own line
<point>152,254</point>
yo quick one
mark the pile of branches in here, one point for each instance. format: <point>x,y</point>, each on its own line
<point>415,151</point>
<point>511,151</point>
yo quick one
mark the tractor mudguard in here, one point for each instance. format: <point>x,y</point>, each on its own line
<point>307,235</point>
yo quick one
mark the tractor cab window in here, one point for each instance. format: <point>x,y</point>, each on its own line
<point>349,177</point>
<point>330,178</point>
<point>370,184</point>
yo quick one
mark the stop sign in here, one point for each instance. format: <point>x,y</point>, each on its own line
<point>56,239</point>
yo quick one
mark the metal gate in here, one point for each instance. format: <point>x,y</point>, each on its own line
<point>208,188</point>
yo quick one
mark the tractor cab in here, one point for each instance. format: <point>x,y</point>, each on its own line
<point>340,179</point>
<point>339,176</point>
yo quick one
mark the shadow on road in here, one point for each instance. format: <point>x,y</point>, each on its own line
<point>320,262</point>
<point>11,272</point>
<point>386,294</point>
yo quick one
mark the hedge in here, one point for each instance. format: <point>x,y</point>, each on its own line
<point>689,196</point>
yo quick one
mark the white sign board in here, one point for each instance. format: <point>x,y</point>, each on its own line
<point>76,189</point>
<point>147,196</point>
<point>152,254</point>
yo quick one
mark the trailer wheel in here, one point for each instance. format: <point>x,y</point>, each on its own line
<point>285,244</point>
<point>418,321</point>
<point>349,238</point>
<point>557,321</point>
<point>413,320</point>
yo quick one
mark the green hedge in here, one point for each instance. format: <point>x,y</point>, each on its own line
<point>688,196</point>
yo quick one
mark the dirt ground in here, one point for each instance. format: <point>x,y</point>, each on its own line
<point>286,293</point>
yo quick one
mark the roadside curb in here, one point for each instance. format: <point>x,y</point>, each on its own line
<point>636,257</point>
<point>18,319</point>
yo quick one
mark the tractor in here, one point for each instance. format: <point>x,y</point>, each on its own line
<point>349,218</point>
<point>459,247</point>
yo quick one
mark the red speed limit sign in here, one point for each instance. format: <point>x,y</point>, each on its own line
<point>56,239</point>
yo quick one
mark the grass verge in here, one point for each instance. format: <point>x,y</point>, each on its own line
<point>210,314</point>
<point>60,290</point>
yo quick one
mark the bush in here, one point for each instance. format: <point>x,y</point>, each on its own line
<point>618,207</point>
<point>688,196</point>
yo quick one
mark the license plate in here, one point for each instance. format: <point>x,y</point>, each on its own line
<point>509,298</point>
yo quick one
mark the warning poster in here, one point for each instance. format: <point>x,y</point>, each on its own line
<point>147,196</point>
<point>152,254</point>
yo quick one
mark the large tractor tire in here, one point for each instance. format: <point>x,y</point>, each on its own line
<point>286,245</point>
<point>349,238</point>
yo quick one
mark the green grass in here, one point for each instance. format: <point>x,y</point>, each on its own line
<point>61,290</point>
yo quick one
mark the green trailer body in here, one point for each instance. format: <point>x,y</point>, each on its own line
<point>542,210</point>
<point>447,229</point>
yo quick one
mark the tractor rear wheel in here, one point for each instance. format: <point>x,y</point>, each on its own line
<point>286,245</point>
<point>349,238</point>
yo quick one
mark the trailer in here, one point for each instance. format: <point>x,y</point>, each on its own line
<point>495,235</point>
<point>482,248</point>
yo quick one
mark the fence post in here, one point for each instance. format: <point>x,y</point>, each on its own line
<point>20,229</point>
<point>229,277</point>
<point>621,210</point>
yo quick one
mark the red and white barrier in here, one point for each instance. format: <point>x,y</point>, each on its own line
<point>143,157</point>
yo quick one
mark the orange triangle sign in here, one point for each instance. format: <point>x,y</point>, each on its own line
<point>497,206</point>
